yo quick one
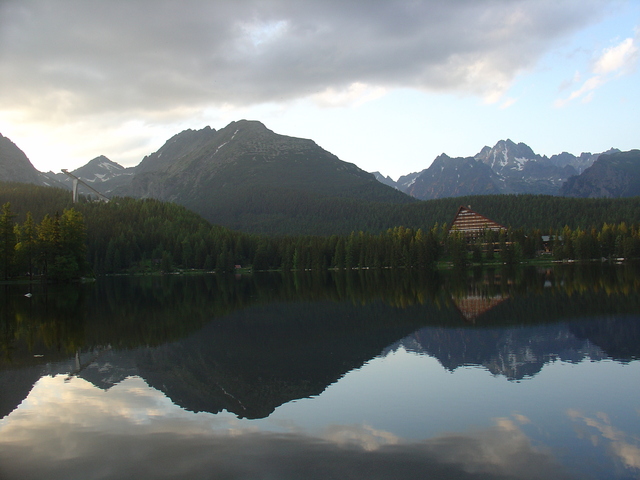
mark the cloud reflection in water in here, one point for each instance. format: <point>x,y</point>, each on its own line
<point>75,430</point>
<point>622,447</point>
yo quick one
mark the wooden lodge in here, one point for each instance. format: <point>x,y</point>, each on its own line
<point>472,225</point>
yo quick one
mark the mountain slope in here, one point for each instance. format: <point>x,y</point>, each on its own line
<point>613,175</point>
<point>385,180</point>
<point>405,181</point>
<point>585,160</point>
<point>101,173</point>
<point>506,156</point>
<point>16,167</point>
<point>454,177</point>
<point>248,177</point>
<point>523,171</point>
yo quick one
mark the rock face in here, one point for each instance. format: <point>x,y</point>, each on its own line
<point>103,174</point>
<point>506,167</point>
<point>15,166</point>
<point>613,175</point>
<point>243,152</point>
<point>585,160</point>
<point>522,171</point>
<point>384,180</point>
<point>246,166</point>
<point>454,177</point>
<point>506,156</point>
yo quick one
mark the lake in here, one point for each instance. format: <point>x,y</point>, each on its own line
<point>529,373</point>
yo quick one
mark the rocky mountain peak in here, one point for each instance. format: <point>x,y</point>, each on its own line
<point>453,177</point>
<point>441,161</point>
<point>506,154</point>
<point>385,180</point>
<point>98,165</point>
<point>181,144</point>
<point>15,166</point>
<point>99,169</point>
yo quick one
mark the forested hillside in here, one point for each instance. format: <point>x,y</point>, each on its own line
<point>297,213</point>
<point>542,212</point>
<point>132,235</point>
<point>35,199</point>
<point>318,217</point>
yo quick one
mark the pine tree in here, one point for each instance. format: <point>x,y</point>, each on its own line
<point>48,242</point>
<point>71,261</point>
<point>26,246</point>
<point>7,240</point>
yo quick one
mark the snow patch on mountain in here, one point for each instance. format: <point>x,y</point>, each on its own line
<point>514,168</point>
<point>520,162</point>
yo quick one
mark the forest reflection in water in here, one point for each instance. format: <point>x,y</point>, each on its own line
<point>251,350</point>
<point>125,312</point>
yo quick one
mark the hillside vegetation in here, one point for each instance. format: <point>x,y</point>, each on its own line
<point>133,235</point>
<point>324,217</point>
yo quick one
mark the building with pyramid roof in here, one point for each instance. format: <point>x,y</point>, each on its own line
<point>472,225</point>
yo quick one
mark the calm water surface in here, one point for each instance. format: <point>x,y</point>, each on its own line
<point>528,373</point>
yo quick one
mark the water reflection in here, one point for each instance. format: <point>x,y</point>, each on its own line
<point>182,375</point>
<point>522,352</point>
<point>623,446</point>
<point>127,312</point>
<point>133,432</point>
<point>249,344</point>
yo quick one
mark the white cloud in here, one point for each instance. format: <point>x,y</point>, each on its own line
<point>508,102</point>
<point>588,86</point>
<point>619,58</point>
<point>614,61</point>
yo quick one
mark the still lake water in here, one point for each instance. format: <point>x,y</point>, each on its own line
<point>527,373</point>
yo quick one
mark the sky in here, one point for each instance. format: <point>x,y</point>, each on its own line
<point>385,84</point>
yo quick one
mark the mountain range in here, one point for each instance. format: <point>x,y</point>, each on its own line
<point>505,168</point>
<point>246,177</point>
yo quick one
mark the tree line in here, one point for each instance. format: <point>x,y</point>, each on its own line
<point>136,236</point>
<point>296,213</point>
<point>149,235</point>
<point>281,212</point>
<point>54,248</point>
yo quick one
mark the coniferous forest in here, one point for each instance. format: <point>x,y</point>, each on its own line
<point>44,234</point>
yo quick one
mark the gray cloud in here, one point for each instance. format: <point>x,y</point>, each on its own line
<point>66,58</point>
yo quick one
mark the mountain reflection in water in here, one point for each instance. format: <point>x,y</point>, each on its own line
<point>243,348</point>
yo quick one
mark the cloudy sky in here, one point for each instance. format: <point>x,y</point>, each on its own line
<point>385,84</point>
